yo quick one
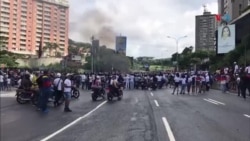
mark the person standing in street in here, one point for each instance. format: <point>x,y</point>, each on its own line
<point>83,79</point>
<point>244,82</point>
<point>67,93</point>
<point>58,89</point>
<point>177,81</point>
<point>44,83</point>
<point>131,81</point>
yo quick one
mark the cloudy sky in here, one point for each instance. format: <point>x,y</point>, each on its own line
<point>146,23</point>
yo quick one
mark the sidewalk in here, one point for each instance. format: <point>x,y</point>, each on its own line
<point>231,93</point>
<point>218,87</point>
<point>11,93</point>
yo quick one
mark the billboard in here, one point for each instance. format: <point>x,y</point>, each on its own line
<point>120,44</point>
<point>226,39</point>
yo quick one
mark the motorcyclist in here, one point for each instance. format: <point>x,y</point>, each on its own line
<point>26,82</point>
<point>114,85</point>
<point>96,85</point>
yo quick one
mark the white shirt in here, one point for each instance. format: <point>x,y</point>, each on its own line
<point>58,81</point>
<point>8,80</point>
<point>68,83</point>
<point>19,82</point>
<point>127,78</point>
<point>207,79</point>
<point>83,78</point>
<point>225,70</point>
<point>236,67</point>
<point>1,78</point>
<point>113,81</point>
<point>183,80</point>
<point>131,78</point>
<point>247,70</point>
<point>159,78</point>
<point>176,79</point>
<point>190,79</point>
<point>90,79</point>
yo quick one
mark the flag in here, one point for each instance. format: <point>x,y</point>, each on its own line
<point>40,49</point>
<point>226,18</point>
<point>218,17</point>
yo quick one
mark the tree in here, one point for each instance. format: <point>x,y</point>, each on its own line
<point>106,60</point>
<point>52,47</point>
<point>8,58</point>
<point>78,48</point>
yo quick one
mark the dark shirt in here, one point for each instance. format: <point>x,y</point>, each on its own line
<point>26,83</point>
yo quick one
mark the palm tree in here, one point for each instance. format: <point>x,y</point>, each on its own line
<point>52,47</point>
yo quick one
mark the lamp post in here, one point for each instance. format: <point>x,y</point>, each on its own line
<point>177,42</point>
<point>162,57</point>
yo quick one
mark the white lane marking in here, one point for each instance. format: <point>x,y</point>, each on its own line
<point>156,103</point>
<point>217,101</point>
<point>152,94</point>
<point>72,123</point>
<point>169,131</point>
<point>211,101</point>
<point>248,116</point>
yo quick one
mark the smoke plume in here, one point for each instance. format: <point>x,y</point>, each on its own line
<point>97,24</point>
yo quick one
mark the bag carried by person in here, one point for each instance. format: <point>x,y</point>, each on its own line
<point>56,87</point>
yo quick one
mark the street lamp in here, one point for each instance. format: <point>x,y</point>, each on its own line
<point>162,57</point>
<point>177,41</point>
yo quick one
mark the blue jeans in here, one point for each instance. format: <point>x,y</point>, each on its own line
<point>43,98</point>
<point>183,87</point>
<point>223,88</point>
<point>132,84</point>
<point>1,86</point>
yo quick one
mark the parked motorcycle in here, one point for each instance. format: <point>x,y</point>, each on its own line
<point>26,96</point>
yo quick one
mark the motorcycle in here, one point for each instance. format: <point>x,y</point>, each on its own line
<point>153,86</point>
<point>111,94</point>
<point>26,96</point>
<point>98,92</point>
<point>75,92</point>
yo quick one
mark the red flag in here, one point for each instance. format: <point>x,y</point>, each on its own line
<point>218,17</point>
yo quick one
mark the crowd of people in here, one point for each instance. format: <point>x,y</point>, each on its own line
<point>181,82</point>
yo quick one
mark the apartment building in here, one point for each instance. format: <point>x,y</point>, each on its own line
<point>205,27</point>
<point>27,22</point>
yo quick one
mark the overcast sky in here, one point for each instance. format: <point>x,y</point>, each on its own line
<point>146,23</point>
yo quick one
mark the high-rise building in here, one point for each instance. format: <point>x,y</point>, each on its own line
<point>27,22</point>
<point>220,7</point>
<point>232,7</point>
<point>205,27</point>
<point>121,44</point>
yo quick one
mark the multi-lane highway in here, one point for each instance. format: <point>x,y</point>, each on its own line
<point>140,116</point>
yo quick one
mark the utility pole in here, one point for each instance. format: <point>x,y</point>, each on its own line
<point>92,54</point>
<point>177,55</point>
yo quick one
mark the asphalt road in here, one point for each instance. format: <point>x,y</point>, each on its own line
<point>139,116</point>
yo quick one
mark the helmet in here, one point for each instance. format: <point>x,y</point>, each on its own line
<point>58,74</point>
